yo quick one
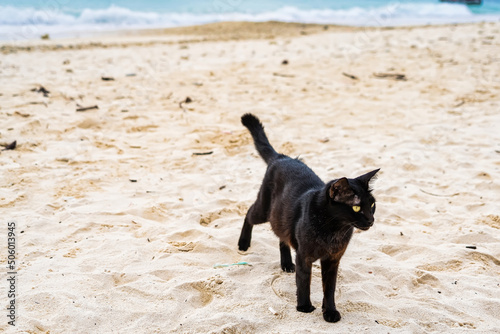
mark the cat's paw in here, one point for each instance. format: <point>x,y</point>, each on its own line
<point>306,308</point>
<point>288,267</point>
<point>243,244</point>
<point>331,316</point>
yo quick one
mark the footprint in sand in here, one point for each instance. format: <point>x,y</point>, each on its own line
<point>490,220</point>
<point>184,241</point>
<point>482,262</point>
<point>201,293</point>
<point>281,286</point>
<point>143,128</point>
<point>183,246</point>
<point>207,218</point>
<point>9,198</point>
<point>426,279</point>
<point>158,212</point>
<point>164,275</point>
<point>400,252</point>
<point>392,323</point>
<point>451,265</point>
<point>123,278</point>
<point>231,141</point>
<point>178,247</point>
<point>72,253</point>
<point>486,260</point>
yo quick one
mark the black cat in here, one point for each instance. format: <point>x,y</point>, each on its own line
<point>315,218</point>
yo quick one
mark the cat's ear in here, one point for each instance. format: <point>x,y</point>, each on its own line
<point>340,190</point>
<point>366,178</point>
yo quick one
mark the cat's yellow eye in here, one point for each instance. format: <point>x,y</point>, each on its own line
<point>373,205</point>
<point>356,208</point>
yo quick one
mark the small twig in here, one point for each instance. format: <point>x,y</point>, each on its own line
<point>39,102</point>
<point>459,104</point>
<point>42,90</point>
<point>11,146</point>
<point>394,76</point>
<point>21,114</point>
<point>80,108</point>
<point>283,75</point>
<point>350,76</point>
<point>203,153</point>
<point>187,100</point>
<point>428,193</point>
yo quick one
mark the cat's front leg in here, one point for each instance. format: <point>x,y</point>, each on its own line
<point>329,270</point>
<point>303,281</point>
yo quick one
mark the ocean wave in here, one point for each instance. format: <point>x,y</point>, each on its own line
<point>35,21</point>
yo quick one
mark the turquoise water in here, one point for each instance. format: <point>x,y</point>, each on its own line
<point>214,6</point>
<point>24,19</point>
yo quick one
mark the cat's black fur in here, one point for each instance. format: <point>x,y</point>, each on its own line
<point>315,218</point>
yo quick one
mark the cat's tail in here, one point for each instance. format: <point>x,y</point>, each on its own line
<point>261,142</point>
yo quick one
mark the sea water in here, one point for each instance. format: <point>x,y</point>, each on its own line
<point>29,19</point>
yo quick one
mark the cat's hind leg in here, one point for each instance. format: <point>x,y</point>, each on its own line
<point>254,216</point>
<point>286,258</point>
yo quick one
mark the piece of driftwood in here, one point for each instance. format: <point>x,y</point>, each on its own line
<point>439,195</point>
<point>42,90</point>
<point>22,114</point>
<point>187,100</point>
<point>393,76</point>
<point>80,108</point>
<point>283,75</point>
<point>11,146</point>
<point>203,153</point>
<point>350,76</point>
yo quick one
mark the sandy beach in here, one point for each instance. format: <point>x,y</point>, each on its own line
<point>123,212</point>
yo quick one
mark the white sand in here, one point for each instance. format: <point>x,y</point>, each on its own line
<point>102,254</point>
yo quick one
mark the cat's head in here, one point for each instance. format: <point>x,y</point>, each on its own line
<point>352,200</point>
